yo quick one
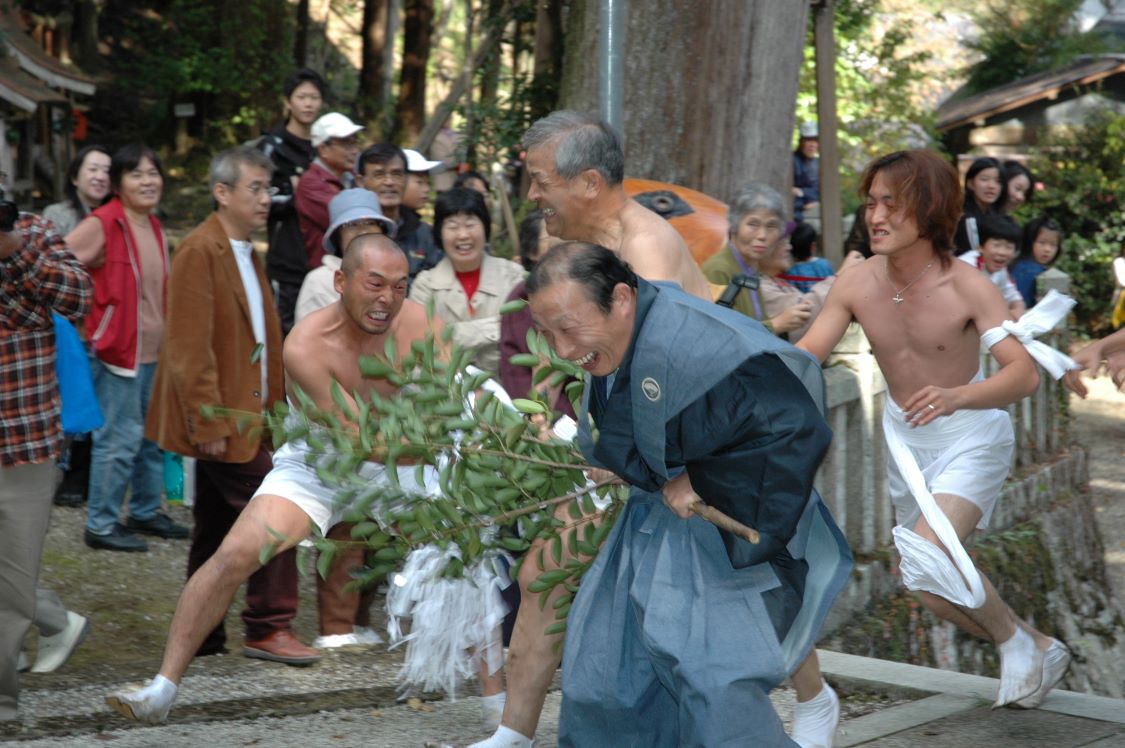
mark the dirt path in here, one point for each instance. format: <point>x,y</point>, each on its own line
<point>1099,425</point>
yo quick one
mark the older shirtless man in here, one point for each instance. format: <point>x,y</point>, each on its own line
<point>951,445</point>
<point>325,346</point>
<point>577,167</point>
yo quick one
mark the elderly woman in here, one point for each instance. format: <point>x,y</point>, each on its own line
<point>757,227</point>
<point>122,244</point>
<point>468,286</point>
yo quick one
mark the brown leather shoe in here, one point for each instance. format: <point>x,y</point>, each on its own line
<point>281,646</point>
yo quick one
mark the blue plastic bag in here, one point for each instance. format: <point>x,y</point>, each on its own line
<point>80,411</point>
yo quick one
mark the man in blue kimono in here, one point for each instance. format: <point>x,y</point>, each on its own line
<point>680,630</point>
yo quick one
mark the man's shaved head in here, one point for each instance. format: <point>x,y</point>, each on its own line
<point>353,253</point>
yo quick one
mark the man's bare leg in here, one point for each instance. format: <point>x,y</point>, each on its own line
<point>1022,648</point>
<point>818,708</point>
<point>491,685</point>
<point>207,596</point>
<point>533,655</point>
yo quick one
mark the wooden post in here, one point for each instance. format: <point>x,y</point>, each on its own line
<point>831,218</point>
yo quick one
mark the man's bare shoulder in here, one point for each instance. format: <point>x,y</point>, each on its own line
<point>859,281</point>
<point>312,334</point>
<point>411,322</point>
<point>645,230</point>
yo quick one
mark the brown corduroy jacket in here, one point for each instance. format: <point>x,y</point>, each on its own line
<point>208,356</point>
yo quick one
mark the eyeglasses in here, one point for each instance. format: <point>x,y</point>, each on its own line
<point>255,188</point>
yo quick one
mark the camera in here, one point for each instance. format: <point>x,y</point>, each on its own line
<point>9,212</point>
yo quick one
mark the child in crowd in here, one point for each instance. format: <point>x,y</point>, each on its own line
<point>807,269</point>
<point>1042,240</point>
<point>999,237</point>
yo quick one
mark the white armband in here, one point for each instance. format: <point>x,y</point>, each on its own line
<point>1041,318</point>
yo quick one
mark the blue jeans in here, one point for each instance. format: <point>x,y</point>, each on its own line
<point>122,458</point>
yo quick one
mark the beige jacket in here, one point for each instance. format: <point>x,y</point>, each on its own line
<point>480,331</point>
<point>778,296</point>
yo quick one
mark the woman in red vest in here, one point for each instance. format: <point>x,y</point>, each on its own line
<point>123,246</point>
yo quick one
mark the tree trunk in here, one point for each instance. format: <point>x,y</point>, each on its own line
<point>301,34</point>
<point>410,114</point>
<point>84,35</point>
<point>548,58</point>
<point>711,108</point>
<point>371,92</point>
<point>490,73</point>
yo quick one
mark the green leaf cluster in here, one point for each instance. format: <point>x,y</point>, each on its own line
<point>501,477</point>
<point>1020,39</point>
<point>1082,170</point>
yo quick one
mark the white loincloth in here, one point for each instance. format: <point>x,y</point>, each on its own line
<point>294,479</point>
<point>966,454</point>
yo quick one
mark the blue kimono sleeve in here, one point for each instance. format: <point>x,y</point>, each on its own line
<point>751,446</point>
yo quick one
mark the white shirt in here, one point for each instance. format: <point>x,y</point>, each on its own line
<point>1001,278</point>
<point>243,252</point>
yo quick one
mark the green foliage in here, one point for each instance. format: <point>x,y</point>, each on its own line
<point>1017,40</point>
<point>875,81</point>
<point>1083,173</point>
<point>227,58</point>
<point>501,480</point>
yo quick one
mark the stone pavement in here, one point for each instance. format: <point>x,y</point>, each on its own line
<point>324,706</point>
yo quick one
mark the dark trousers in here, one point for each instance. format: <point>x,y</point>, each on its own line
<point>341,612</point>
<point>286,303</point>
<point>222,491</point>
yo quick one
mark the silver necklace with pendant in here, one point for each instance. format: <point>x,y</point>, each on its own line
<point>897,298</point>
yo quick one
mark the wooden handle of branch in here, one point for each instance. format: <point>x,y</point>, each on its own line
<point>723,522</point>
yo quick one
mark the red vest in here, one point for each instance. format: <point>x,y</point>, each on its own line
<point>112,324</point>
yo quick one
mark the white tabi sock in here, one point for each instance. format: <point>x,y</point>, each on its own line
<point>1056,661</point>
<point>505,737</point>
<point>815,720</point>
<point>1021,668</point>
<point>149,704</point>
<point>491,711</point>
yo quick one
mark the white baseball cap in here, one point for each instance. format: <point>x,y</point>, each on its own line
<point>332,125</point>
<point>416,162</point>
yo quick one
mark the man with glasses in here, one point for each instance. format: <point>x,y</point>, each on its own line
<point>334,138</point>
<point>382,169</point>
<point>224,349</point>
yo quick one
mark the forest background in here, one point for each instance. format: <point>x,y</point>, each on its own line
<point>713,89</point>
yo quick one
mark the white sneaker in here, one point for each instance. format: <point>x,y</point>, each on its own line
<point>335,641</point>
<point>55,650</point>
<point>22,664</point>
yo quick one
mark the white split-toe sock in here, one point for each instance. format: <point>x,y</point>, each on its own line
<point>505,737</point>
<point>491,711</point>
<point>1021,668</point>
<point>149,704</point>
<point>1056,661</point>
<point>815,720</point>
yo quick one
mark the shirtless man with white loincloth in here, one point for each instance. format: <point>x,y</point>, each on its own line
<point>925,317</point>
<point>325,346</point>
